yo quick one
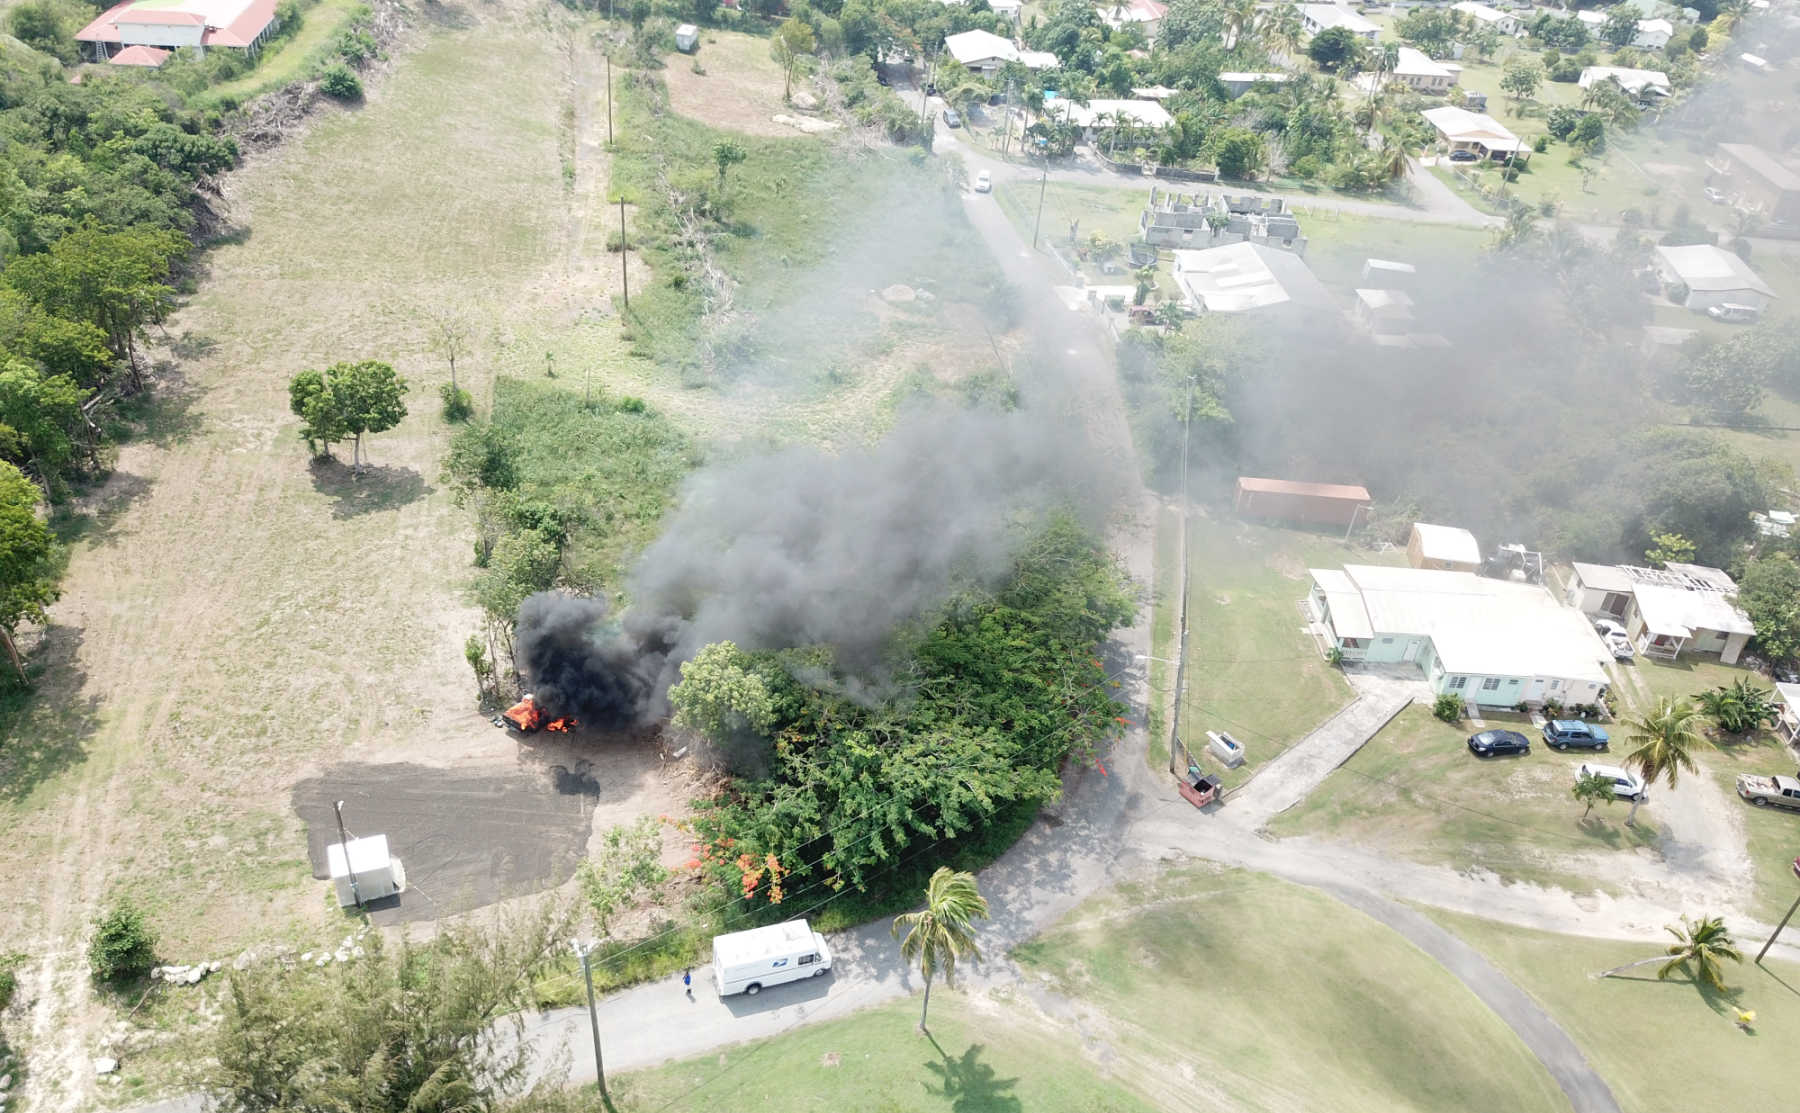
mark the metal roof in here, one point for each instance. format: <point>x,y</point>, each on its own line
<point>1448,543</point>
<point>1705,266</point>
<point>1602,577</point>
<point>1296,487</point>
<point>1348,615</point>
<point>761,943</point>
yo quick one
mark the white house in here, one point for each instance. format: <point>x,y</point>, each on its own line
<point>1322,17</point>
<point>1504,22</point>
<point>1243,276</point>
<point>1103,113</point>
<point>1592,19</point>
<point>1639,83</point>
<point>170,24</point>
<point>981,51</point>
<point>1462,130</point>
<point>1419,73</point>
<point>1712,276</point>
<point>1494,643</point>
<point>1145,15</point>
<point>1011,9</point>
<point>1680,608</point>
<point>1653,34</point>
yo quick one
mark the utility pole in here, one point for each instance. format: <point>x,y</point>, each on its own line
<point>624,248</point>
<point>587,975</point>
<point>1784,920</point>
<point>344,845</point>
<point>1187,425</point>
<point>609,134</point>
<point>1044,152</point>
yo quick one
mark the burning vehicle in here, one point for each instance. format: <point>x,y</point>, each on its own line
<point>527,717</point>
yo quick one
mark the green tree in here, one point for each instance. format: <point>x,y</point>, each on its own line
<point>347,401</point>
<point>116,280</point>
<point>790,46</point>
<point>1593,788</point>
<point>1739,707</point>
<point>1333,49</point>
<point>1621,25</point>
<point>405,1027</point>
<point>1588,134</point>
<point>722,693</point>
<point>628,865</point>
<point>123,946</point>
<point>27,561</point>
<point>944,930</point>
<point>40,417</point>
<point>1521,80</point>
<point>1769,593</point>
<point>1698,40</point>
<point>1239,153</point>
<point>1704,944</point>
<point>1669,548</point>
<point>727,154</point>
<point>1663,742</point>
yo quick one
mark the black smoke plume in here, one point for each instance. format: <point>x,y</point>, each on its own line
<point>801,547</point>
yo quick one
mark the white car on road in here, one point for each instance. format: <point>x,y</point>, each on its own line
<point>983,182</point>
<point>1626,785</point>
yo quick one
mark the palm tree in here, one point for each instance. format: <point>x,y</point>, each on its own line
<point>1240,15</point>
<point>1394,164</point>
<point>1281,29</point>
<point>944,930</point>
<point>1705,942</point>
<point>1663,739</point>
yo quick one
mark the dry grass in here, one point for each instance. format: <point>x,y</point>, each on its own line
<point>740,89</point>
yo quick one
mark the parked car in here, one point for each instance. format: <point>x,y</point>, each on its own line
<point>1620,647</point>
<point>1734,314</point>
<point>983,182</point>
<point>1491,742</point>
<point>1563,734</point>
<point>1626,786</point>
<point>951,119</point>
<point>1716,196</point>
<point>1783,792</point>
<point>1606,627</point>
<point>1464,156</point>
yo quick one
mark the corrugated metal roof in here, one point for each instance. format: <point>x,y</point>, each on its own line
<point>1348,615</point>
<point>1678,611</point>
<point>1603,577</point>
<point>1449,543</point>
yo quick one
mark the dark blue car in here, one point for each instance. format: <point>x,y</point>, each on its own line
<point>1573,734</point>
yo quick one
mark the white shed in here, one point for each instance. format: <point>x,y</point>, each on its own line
<point>687,38</point>
<point>378,873</point>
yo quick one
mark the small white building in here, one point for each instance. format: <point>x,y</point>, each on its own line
<point>1145,15</point>
<point>1639,83</point>
<point>687,38</point>
<point>1504,22</point>
<point>1653,34</point>
<point>981,51</point>
<point>1322,17</point>
<point>1712,276</point>
<point>377,873</point>
<point>1491,642</point>
<point>1418,72</point>
<point>1096,114</point>
<point>1681,608</point>
<point>1386,274</point>
<point>1445,548</point>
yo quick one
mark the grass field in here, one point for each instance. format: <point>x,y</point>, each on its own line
<point>1772,834</point>
<point>1663,1047</point>
<point>1416,791</point>
<point>1237,991</point>
<point>1252,667</point>
<point>976,1060</point>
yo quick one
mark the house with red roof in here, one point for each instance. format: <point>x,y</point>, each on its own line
<point>142,32</point>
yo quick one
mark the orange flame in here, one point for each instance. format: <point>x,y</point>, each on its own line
<point>563,725</point>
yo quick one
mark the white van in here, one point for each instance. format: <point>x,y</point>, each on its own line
<point>751,961</point>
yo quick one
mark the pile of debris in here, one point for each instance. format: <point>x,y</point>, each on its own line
<point>184,975</point>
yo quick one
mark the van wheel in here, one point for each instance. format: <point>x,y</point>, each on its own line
<point>820,972</point>
<point>752,989</point>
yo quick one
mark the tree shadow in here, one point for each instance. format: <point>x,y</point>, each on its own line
<point>44,730</point>
<point>1725,1002</point>
<point>374,490</point>
<point>95,516</point>
<point>969,1083</point>
<point>452,17</point>
<point>164,414</point>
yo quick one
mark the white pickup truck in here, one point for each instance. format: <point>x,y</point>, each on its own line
<point>1783,792</point>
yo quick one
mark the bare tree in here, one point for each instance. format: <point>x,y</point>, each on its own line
<point>449,337</point>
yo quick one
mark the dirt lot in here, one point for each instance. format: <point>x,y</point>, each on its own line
<point>740,89</point>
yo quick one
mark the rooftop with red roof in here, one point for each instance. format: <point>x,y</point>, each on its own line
<point>236,23</point>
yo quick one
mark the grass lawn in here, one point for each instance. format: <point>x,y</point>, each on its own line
<point>1269,996</point>
<point>1663,1047</point>
<point>288,59</point>
<point>1646,680</point>
<point>1415,790</point>
<point>1337,244</point>
<point>1772,835</point>
<point>1252,668</point>
<point>974,1061</point>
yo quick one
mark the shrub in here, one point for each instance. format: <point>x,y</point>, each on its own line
<point>337,81</point>
<point>123,945</point>
<point>457,403</point>
<point>1448,707</point>
<point>1541,144</point>
<point>1334,656</point>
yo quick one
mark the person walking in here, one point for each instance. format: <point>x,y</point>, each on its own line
<point>687,982</point>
